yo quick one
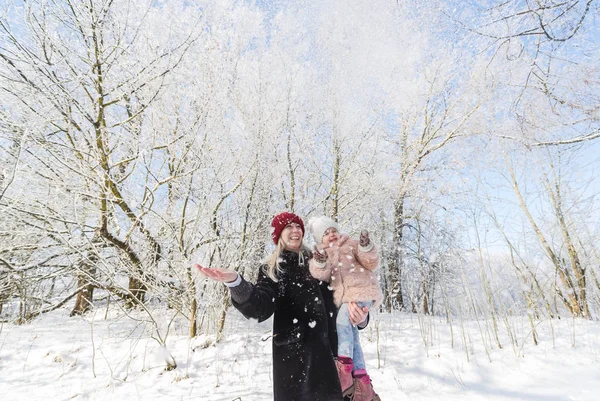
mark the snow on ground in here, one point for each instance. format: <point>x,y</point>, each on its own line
<point>113,357</point>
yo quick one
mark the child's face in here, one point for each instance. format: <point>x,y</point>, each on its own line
<point>331,235</point>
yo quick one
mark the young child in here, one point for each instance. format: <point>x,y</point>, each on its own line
<point>347,265</point>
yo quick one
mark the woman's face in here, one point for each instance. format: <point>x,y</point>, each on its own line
<point>331,235</point>
<point>292,237</point>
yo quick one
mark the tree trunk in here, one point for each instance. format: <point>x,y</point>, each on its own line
<point>222,317</point>
<point>85,294</point>
<point>571,299</point>
<point>193,312</point>
<point>137,292</point>
<point>578,269</point>
<point>335,190</point>
<point>425,298</point>
<point>393,292</point>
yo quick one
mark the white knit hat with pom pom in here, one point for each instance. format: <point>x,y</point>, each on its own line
<point>318,226</point>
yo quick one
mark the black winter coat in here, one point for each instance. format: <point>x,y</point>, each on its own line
<point>304,334</point>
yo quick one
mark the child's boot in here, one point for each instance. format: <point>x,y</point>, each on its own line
<point>363,389</point>
<point>344,367</point>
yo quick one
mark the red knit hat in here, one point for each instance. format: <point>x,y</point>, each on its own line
<point>280,221</point>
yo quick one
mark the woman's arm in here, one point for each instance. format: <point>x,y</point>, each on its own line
<point>252,300</point>
<point>256,301</point>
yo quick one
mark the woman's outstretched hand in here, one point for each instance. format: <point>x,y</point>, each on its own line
<point>218,274</point>
<point>357,314</point>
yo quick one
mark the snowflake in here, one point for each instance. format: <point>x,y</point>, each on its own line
<point>312,324</point>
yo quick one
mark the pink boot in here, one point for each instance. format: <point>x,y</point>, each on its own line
<point>363,389</point>
<point>344,367</point>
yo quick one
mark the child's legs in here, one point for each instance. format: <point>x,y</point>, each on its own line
<point>358,358</point>
<point>345,332</point>
<point>348,341</point>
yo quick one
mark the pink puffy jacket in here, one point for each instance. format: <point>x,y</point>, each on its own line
<point>349,271</point>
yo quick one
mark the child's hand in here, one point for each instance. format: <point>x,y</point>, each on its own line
<point>364,238</point>
<point>320,255</point>
<point>222,275</point>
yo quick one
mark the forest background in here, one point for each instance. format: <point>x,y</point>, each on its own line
<point>138,137</point>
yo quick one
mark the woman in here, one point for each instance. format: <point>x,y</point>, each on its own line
<point>304,336</point>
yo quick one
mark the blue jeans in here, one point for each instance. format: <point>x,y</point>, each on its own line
<point>348,341</point>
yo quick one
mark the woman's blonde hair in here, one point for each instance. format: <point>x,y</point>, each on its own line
<point>273,268</point>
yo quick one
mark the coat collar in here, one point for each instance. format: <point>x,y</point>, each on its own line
<point>291,259</point>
